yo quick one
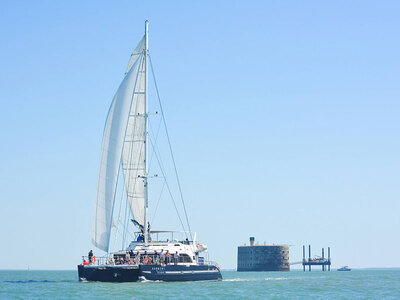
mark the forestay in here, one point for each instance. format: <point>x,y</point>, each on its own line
<point>123,144</point>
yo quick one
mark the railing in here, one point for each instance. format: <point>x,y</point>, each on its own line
<point>211,263</point>
<point>118,259</point>
<point>317,259</point>
<point>96,260</point>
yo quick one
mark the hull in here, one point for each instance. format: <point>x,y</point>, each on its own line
<point>180,272</point>
<point>108,273</point>
<point>148,272</point>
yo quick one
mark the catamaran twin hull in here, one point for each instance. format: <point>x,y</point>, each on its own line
<point>148,272</point>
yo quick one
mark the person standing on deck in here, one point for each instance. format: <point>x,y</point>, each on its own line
<point>168,256</point>
<point>155,258</point>
<point>90,255</point>
<point>137,258</point>
<point>162,257</point>
<point>176,258</point>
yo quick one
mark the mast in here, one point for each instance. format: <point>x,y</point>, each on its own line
<point>146,201</point>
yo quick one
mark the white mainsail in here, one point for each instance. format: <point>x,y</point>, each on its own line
<point>133,153</point>
<point>123,143</point>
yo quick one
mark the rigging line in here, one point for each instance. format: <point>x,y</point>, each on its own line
<point>170,147</point>
<point>125,226</point>
<point>127,232</point>
<point>119,223</point>
<point>129,236</point>
<point>158,201</point>
<point>126,209</point>
<point>119,218</point>
<point>169,190</point>
<point>157,150</point>
<point>156,138</point>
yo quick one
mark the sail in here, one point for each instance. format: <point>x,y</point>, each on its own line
<point>115,131</point>
<point>136,53</point>
<point>133,154</point>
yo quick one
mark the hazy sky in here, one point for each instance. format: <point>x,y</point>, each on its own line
<point>284,116</point>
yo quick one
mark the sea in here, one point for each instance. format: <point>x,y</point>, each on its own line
<point>356,284</point>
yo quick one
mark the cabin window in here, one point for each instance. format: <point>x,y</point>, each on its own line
<point>184,258</point>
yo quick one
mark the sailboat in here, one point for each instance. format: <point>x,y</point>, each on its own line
<point>124,157</point>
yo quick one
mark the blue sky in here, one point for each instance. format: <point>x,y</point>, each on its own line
<point>284,117</point>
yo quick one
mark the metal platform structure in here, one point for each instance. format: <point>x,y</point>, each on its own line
<point>317,261</point>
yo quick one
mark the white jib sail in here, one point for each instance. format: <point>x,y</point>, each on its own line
<point>116,131</point>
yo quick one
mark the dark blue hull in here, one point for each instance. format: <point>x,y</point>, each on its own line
<point>180,272</point>
<point>108,273</point>
<point>149,272</point>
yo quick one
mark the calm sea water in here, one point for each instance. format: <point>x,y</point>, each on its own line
<point>357,284</point>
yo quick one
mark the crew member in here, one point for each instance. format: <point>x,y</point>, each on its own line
<point>176,255</point>
<point>168,256</point>
<point>90,255</point>
<point>162,257</point>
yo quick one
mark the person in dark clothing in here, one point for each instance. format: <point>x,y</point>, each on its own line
<point>140,238</point>
<point>90,255</point>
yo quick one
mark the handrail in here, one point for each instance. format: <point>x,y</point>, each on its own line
<point>96,260</point>
<point>114,259</point>
<point>211,263</point>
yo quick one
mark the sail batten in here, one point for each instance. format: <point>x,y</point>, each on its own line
<point>122,125</point>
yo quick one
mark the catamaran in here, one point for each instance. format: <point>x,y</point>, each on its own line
<point>151,254</point>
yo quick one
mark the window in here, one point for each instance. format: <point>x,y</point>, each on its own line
<point>184,258</point>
